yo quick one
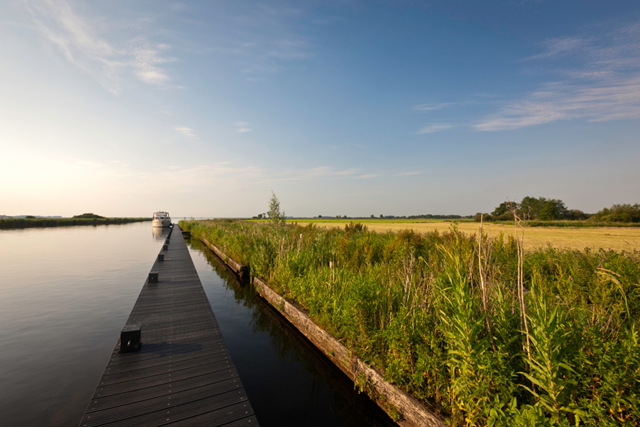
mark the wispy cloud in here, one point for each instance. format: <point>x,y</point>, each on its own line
<point>606,86</point>
<point>438,106</point>
<point>435,127</point>
<point>77,38</point>
<point>559,46</point>
<point>263,40</point>
<point>242,127</point>
<point>145,61</point>
<point>188,132</point>
<point>409,173</point>
<point>328,20</point>
<point>315,173</point>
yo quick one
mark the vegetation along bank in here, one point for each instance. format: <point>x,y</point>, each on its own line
<point>84,219</point>
<point>479,330</point>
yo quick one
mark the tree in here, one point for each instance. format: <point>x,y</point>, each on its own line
<point>577,214</point>
<point>372,216</point>
<point>530,207</point>
<point>553,209</point>
<point>619,213</point>
<point>504,209</point>
<point>275,215</point>
<point>381,216</point>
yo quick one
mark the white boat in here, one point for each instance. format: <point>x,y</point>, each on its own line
<point>161,219</point>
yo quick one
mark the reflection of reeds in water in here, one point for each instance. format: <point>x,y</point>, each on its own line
<point>355,409</point>
<point>485,332</point>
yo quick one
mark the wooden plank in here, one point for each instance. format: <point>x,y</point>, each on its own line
<point>183,375</point>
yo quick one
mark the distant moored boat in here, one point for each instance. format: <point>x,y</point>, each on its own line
<point>161,219</point>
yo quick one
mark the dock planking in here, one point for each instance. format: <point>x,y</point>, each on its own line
<point>183,375</point>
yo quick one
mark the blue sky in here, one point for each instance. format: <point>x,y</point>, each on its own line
<point>339,107</point>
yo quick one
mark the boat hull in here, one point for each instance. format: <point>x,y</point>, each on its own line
<point>165,222</point>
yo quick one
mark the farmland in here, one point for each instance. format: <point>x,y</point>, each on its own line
<point>616,238</point>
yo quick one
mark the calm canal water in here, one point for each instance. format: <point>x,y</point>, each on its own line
<point>65,293</point>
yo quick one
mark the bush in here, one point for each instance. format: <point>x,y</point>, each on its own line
<point>618,213</point>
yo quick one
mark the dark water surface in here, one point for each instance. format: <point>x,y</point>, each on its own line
<point>66,292</point>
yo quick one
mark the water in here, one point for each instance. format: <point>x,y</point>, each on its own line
<point>65,293</point>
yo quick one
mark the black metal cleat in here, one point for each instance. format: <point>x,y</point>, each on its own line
<point>153,277</point>
<point>130,338</point>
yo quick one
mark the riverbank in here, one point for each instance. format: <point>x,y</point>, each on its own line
<point>399,405</point>
<point>439,316</point>
<point>12,223</point>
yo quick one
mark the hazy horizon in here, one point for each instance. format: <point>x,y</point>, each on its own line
<point>339,107</point>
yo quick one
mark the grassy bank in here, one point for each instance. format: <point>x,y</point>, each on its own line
<point>441,315</point>
<point>63,222</point>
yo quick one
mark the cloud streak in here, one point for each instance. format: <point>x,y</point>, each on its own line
<point>606,86</point>
<point>435,127</point>
<point>439,105</point>
<point>188,132</point>
<point>242,127</point>
<point>76,37</point>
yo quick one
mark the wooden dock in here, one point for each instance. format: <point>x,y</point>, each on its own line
<point>183,374</point>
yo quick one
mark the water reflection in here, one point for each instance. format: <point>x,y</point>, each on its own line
<point>65,293</point>
<point>281,370</point>
<point>159,233</point>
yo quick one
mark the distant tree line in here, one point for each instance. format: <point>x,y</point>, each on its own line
<point>430,216</point>
<point>543,209</point>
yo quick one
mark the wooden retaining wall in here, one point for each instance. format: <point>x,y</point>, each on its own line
<point>389,397</point>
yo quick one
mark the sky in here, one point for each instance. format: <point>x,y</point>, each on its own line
<point>343,107</point>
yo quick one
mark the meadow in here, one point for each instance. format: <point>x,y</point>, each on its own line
<point>478,328</point>
<point>559,236</point>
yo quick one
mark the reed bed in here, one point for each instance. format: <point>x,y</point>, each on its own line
<point>479,330</point>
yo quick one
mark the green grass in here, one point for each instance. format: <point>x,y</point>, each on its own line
<point>63,222</point>
<point>412,305</point>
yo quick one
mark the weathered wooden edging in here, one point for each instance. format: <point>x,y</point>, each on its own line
<point>389,397</point>
<point>241,270</point>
